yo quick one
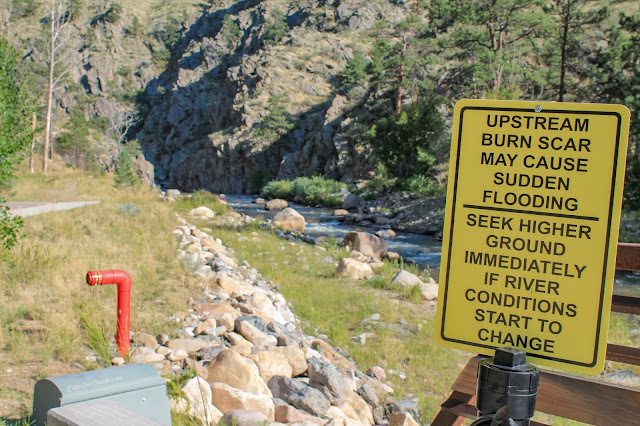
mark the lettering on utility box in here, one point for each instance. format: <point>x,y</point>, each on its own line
<point>531,228</point>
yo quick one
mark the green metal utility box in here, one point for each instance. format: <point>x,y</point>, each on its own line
<point>137,388</point>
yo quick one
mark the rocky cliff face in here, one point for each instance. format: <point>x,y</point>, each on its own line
<point>201,75</point>
<point>204,110</point>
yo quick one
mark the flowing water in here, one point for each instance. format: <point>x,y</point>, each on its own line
<point>424,250</point>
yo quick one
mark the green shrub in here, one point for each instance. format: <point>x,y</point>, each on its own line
<point>200,198</point>
<point>275,28</point>
<point>277,189</point>
<point>230,29</point>
<point>258,179</point>
<point>113,14</point>
<point>422,185</point>
<point>276,123</point>
<point>309,191</point>
<point>125,176</point>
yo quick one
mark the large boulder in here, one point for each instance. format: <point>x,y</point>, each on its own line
<point>352,268</point>
<point>367,244</point>
<point>235,370</point>
<point>352,202</point>
<point>289,220</point>
<point>276,205</point>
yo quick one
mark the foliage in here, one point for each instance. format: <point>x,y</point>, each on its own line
<point>275,28</point>
<point>113,14</point>
<point>124,175</point>
<point>95,337</point>
<point>566,49</point>
<point>258,178</point>
<point>356,70</point>
<point>277,189</point>
<point>309,191</point>
<point>25,8</point>
<point>136,29</point>
<point>74,140</point>
<point>230,28</point>
<point>200,198</point>
<point>412,143</point>
<point>276,123</point>
<point>15,133</point>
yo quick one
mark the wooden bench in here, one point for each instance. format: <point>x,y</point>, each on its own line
<point>573,397</point>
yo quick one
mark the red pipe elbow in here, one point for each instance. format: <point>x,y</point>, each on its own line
<point>123,280</point>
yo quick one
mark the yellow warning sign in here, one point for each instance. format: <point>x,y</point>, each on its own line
<point>531,229</point>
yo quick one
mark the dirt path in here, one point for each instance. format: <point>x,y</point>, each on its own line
<point>28,208</point>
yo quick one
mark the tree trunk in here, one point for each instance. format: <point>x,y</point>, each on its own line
<point>563,53</point>
<point>47,128</point>
<point>32,151</point>
<point>398,100</point>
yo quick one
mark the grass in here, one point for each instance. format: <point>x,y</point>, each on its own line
<point>42,283</point>
<point>333,306</point>
<point>42,280</point>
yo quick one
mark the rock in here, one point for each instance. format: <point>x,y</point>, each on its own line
<point>367,244</point>
<point>222,313</point>
<point>118,361</point>
<point>188,345</point>
<point>324,377</point>
<point>235,370</point>
<point>147,340</point>
<point>197,395</point>
<point>406,279</point>
<point>144,170</point>
<point>289,220</point>
<point>233,287</point>
<point>352,202</point>
<point>429,291</point>
<point>271,363</point>
<point>386,234</point>
<point>285,413</point>
<point>259,201</point>
<point>391,255</point>
<point>207,327</point>
<point>364,411</point>
<point>245,418</point>
<point>255,336</point>
<point>227,398</point>
<point>407,406</point>
<point>276,205</point>
<point>145,355</point>
<point>402,419</point>
<point>369,395</point>
<point>340,212</point>
<point>299,394</point>
<point>351,268</point>
<point>202,212</point>
<point>179,355</point>
<point>378,373</point>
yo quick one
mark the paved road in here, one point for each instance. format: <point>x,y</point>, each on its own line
<point>27,208</point>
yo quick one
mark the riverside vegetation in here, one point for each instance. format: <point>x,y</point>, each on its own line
<point>51,323</point>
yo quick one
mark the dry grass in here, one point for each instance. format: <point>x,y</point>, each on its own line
<point>42,281</point>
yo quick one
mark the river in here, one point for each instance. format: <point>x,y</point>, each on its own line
<point>423,250</point>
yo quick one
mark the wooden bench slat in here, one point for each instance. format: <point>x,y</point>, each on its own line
<point>628,258</point>
<point>625,304</point>
<point>573,397</point>
<point>624,354</point>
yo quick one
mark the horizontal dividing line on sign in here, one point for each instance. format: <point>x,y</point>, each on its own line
<point>536,213</point>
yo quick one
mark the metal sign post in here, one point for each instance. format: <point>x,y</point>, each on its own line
<point>507,389</point>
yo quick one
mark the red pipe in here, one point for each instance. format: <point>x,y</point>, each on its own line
<point>123,280</point>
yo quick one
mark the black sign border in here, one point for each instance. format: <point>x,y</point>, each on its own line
<point>607,243</point>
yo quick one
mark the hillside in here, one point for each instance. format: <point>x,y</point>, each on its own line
<point>227,95</point>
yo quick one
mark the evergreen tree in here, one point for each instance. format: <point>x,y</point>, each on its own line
<point>276,123</point>
<point>275,28</point>
<point>125,176</point>
<point>410,144</point>
<point>566,48</point>
<point>494,44</point>
<point>74,140</point>
<point>15,134</point>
